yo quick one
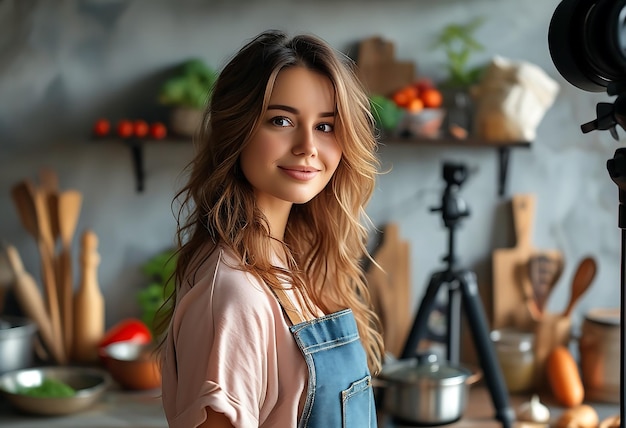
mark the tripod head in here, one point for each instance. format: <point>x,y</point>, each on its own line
<point>452,208</point>
<point>587,41</point>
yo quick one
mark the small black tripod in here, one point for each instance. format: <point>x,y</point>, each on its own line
<point>462,289</point>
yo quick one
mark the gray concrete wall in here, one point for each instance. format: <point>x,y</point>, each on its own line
<point>65,63</point>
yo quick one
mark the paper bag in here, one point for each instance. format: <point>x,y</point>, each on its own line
<point>511,100</point>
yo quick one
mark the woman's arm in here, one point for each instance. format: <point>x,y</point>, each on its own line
<point>215,420</point>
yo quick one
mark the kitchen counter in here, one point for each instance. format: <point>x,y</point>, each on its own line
<point>121,408</point>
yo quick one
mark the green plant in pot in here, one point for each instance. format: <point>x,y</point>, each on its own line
<point>460,45</point>
<point>159,270</point>
<point>188,92</point>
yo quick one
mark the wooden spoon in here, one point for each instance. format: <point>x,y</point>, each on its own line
<point>583,278</point>
<point>68,208</point>
<point>32,302</point>
<point>33,212</point>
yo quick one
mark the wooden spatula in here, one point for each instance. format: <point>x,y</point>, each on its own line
<point>544,271</point>
<point>585,272</point>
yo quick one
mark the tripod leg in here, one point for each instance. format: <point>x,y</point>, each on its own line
<point>454,324</point>
<point>420,325</point>
<point>486,353</point>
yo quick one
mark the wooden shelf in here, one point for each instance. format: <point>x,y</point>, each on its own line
<point>503,148</point>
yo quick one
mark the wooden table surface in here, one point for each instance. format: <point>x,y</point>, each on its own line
<point>480,412</point>
<point>124,409</point>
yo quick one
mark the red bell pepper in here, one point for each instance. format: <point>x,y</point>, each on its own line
<point>130,329</point>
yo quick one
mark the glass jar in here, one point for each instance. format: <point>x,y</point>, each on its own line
<point>516,356</point>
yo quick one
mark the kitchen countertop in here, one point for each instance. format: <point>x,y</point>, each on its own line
<point>120,408</point>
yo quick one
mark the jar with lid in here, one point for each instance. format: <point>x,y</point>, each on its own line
<point>516,356</point>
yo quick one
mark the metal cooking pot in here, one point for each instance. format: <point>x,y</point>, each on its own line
<point>16,343</point>
<point>424,390</point>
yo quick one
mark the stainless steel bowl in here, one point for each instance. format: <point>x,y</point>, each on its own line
<point>16,343</point>
<point>89,383</point>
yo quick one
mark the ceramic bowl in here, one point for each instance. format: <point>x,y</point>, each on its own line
<point>89,385</point>
<point>425,124</point>
<point>132,364</point>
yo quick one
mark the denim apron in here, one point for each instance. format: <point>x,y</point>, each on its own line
<point>339,391</point>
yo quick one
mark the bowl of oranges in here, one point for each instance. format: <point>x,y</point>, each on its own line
<point>423,114</point>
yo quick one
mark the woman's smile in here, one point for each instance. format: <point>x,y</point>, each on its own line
<point>302,173</point>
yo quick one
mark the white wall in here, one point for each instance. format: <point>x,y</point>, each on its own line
<point>63,64</point>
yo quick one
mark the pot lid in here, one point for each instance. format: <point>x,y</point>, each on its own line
<point>607,316</point>
<point>421,369</point>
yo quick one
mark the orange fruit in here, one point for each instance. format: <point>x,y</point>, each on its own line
<point>415,105</point>
<point>432,98</point>
<point>402,97</point>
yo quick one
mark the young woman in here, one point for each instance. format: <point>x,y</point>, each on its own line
<point>270,324</point>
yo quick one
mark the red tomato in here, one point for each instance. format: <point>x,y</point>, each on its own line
<point>128,329</point>
<point>125,128</point>
<point>158,130</point>
<point>101,127</point>
<point>140,128</point>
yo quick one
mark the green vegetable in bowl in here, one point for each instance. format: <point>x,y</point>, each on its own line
<point>386,113</point>
<point>49,388</point>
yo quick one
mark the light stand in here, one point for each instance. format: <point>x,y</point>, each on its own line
<point>617,171</point>
<point>462,290</point>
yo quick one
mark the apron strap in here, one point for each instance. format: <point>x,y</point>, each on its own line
<point>292,313</point>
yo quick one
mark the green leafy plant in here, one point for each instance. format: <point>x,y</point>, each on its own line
<point>190,86</point>
<point>458,42</point>
<point>159,270</point>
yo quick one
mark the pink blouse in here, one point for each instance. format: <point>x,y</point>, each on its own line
<point>230,348</point>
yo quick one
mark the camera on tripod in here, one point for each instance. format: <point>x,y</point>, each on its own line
<point>587,41</point>
<point>453,208</point>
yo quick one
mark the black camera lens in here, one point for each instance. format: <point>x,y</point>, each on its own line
<point>587,42</point>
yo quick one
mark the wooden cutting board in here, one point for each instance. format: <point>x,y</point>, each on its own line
<point>510,268</point>
<point>389,287</point>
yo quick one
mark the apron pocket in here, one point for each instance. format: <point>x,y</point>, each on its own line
<point>357,404</point>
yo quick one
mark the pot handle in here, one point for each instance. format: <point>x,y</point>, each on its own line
<point>474,377</point>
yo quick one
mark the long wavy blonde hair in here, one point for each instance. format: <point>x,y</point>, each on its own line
<point>326,237</point>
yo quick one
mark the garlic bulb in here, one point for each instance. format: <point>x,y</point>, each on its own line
<point>533,411</point>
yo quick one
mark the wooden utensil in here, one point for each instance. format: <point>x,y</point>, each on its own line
<point>68,205</point>
<point>33,213</point>
<point>510,272</point>
<point>507,293</point>
<point>390,289</point>
<point>585,273</point>
<point>49,186</point>
<point>32,303</point>
<point>88,303</point>
<point>544,271</point>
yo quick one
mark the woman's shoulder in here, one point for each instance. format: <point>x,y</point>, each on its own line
<point>219,277</point>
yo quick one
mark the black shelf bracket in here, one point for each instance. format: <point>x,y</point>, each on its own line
<point>503,168</point>
<point>136,149</point>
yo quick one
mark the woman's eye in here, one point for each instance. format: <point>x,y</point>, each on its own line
<point>281,121</point>
<point>325,127</point>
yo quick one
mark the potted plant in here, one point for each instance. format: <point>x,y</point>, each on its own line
<point>187,92</point>
<point>459,45</point>
<point>158,270</point>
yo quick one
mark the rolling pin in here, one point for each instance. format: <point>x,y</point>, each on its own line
<point>88,303</point>
<point>32,303</point>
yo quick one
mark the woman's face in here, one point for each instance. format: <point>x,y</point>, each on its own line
<point>295,152</point>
